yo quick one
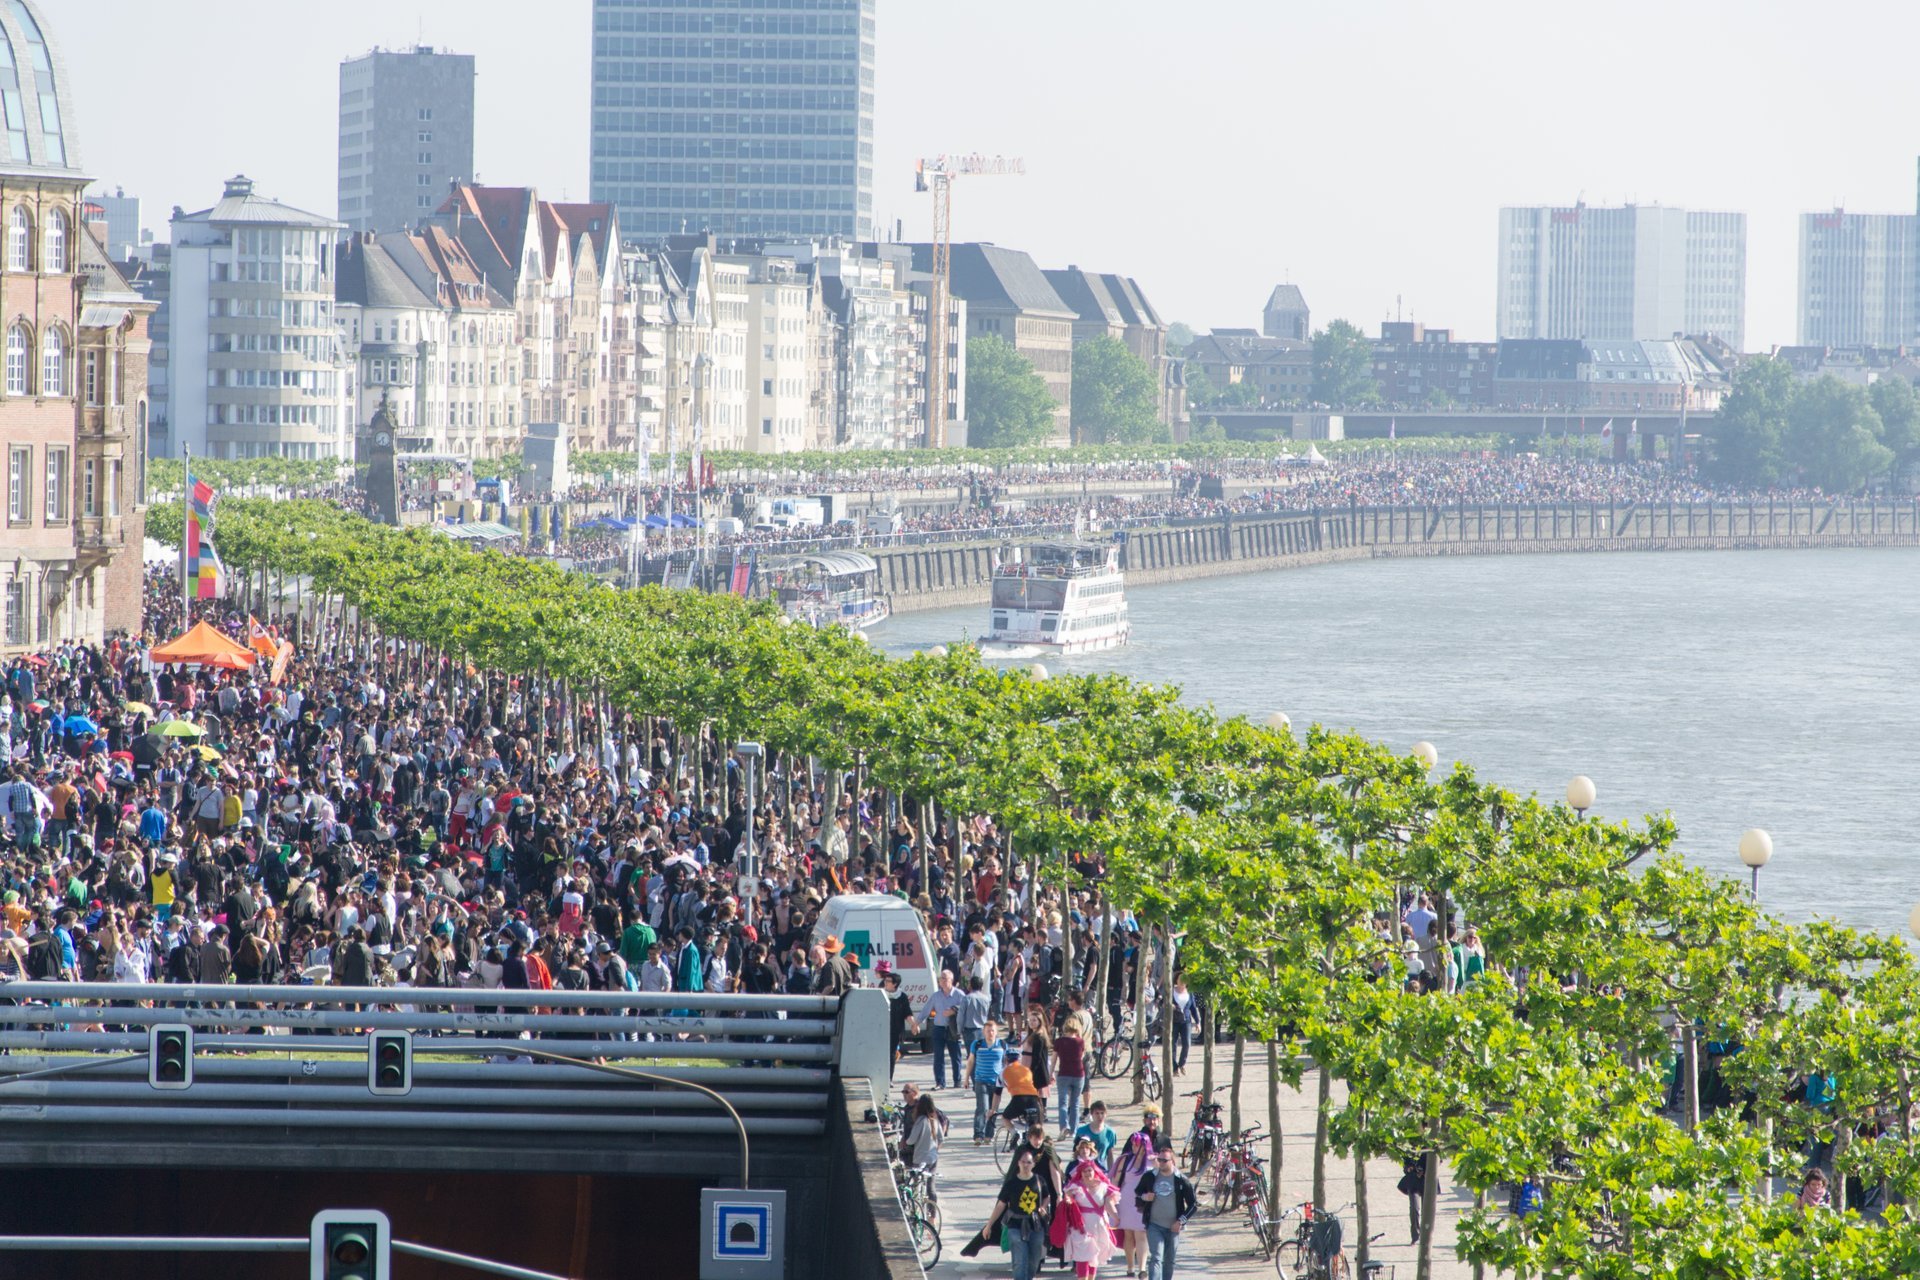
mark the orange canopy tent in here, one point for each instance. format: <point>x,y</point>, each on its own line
<point>204,647</point>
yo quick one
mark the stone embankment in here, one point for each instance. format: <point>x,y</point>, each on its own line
<point>943,576</point>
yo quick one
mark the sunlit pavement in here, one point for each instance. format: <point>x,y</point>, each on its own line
<point>1218,1247</point>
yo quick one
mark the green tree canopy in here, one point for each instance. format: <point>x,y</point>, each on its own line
<point>1749,436</point>
<point>1008,404</point>
<point>1200,389</point>
<point>1179,337</point>
<point>1833,436</point>
<point>1115,397</point>
<point>1343,366</point>
<point>1899,411</point>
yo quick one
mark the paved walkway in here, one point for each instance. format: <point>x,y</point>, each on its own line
<point>1211,1248</point>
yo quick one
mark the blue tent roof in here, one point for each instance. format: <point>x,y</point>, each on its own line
<point>656,522</point>
<point>684,522</point>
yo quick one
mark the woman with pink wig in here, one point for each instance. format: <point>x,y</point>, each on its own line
<point>1080,1225</point>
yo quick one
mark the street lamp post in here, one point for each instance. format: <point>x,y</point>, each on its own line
<point>1426,754</point>
<point>1756,847</point>
<point>750,754</point>
<point>1581,793</point>
<point>1279,723</point>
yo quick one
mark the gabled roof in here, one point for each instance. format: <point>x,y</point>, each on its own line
<point>493,223</point>
<point>992,278</point>
<point>595,221</point>
<point>1126,291</point>
<point>368,274</point>
<point>1086,294</point>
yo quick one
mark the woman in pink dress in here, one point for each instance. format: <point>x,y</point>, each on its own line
<point>1080,1224</point>
<point>1129,1163</point>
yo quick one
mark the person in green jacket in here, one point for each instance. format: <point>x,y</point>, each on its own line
<point>634,943</point>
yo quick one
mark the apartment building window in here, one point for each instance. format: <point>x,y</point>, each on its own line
<point>90,488</point>
<point>17,360</point>
<point>426,113</point>
<point>19,479</point>
<point>426,157</point>
<point>91,365</point>
<point>53,364</point>
<point>55,257</point>
<point>116,475</point>
<point>19,239</point>
<point>426,135</point>
<point>57,483</point>
<point>425,179</point>
<point>17,611</point>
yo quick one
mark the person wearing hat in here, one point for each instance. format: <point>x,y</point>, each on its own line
<point>832,974</point>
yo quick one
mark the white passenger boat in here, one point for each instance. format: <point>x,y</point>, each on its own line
<point>831,589</point>
<point>1058,598</point>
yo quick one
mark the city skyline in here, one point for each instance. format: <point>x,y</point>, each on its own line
<point>1225,142</point>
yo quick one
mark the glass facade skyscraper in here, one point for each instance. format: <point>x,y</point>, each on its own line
<point>747,118</point>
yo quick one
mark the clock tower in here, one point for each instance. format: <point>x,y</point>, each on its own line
<point>383,488</point>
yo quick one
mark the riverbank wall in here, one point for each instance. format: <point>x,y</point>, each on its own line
<point>946,576</point>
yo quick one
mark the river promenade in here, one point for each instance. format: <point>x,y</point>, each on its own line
<point>960,574</point>
<point>1213,1247</point>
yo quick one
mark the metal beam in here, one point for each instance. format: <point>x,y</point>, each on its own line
<point>616,1023</point>
<point>297,1092</point>
<point>485,1046</point>
<point>156,1244</point>
<point>428,997</point>
<point>270,1118</point>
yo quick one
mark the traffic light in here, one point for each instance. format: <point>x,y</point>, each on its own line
<point>170,1056</point>
<point>390,1062</point>
<point>349,1244</point>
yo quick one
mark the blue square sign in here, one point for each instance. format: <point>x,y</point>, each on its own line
<point>745,1234</point>
<point>742,1232</point>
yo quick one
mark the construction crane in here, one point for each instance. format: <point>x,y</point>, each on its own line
<point>937,175</point>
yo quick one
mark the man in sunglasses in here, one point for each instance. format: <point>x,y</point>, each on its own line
<point>1166,1200</point>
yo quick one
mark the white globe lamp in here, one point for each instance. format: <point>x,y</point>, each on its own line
<point>1756,849</point>
<point>1425,753</point>
<point>1581,793</point>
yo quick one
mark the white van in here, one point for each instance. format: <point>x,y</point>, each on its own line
<point>876,927</point>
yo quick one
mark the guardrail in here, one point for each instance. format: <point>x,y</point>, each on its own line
<point>295,1058</point>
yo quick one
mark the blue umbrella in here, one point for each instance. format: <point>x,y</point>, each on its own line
<point>80,724</point>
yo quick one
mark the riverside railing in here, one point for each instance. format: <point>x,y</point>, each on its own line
<point>296,1058</point>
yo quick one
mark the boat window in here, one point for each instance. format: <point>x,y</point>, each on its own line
<point>999,619</point>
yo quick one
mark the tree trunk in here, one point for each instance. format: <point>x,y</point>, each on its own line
<point>1690,1077</point>
<point>1360,1219</point>
<point>1100,1013</point>
<point>1239,1067</point>
<point>1167,1093</point>
<point>1429,1201</point>
<point>1206,1050</point>
<point>1139,1030</point>
<point>1479,1203</point>
<point>1276,1145</point>
<point>1324,1106</point>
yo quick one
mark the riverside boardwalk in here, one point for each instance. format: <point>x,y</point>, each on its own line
<point>1218,1247</point>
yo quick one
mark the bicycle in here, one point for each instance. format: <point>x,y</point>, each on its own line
<point>1204,1134</point>
<point>1316,1251</point>
<point>1007,1138</point>
<point>923,1214</point>
<point>1234,1170</point>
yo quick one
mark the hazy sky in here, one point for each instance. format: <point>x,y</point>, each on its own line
<point>1209,150</point>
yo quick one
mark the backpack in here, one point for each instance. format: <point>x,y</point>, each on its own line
<point>43,958</point>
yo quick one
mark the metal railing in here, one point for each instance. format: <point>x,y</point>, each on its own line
<point>75,1054</point>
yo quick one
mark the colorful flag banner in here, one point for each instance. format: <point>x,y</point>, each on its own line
<point>206,576</point>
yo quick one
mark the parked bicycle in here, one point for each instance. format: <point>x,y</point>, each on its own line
<point>923,1214</point>
<point>1204,1135</point>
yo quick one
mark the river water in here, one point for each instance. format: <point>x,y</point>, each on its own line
<point>1735,689</point>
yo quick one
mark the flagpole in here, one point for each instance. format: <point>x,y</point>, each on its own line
<point>186,515</point>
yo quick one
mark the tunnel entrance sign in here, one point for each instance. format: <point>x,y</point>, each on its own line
<point>744,1234</point>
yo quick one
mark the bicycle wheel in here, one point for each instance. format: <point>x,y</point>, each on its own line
<point>1003,1144</point>
<point>1116,1056</point>
<point>1262,1227</point>
<point>1288,1260</point>
<point>926,1240</point>
<point>1152,1084</point>
<point>1222,1188</point>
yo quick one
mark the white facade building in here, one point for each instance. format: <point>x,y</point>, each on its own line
<point>779,355</point>
<point>1622,274</point>
<point>1857,279</point>
<point>257,368</point>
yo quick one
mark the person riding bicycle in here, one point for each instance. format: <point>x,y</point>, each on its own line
<point>1023,1096</point>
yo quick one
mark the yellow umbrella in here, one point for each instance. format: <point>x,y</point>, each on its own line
<point>208,753</point>
<point>140,707</point>
<point>179,729</point>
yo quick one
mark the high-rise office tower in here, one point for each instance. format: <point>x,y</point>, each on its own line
<point>1857,278</point>
<point>406,134</point>
<point>1622,274</point>
<point>747,118</point>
